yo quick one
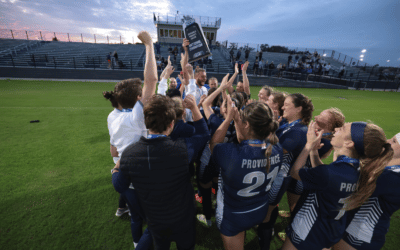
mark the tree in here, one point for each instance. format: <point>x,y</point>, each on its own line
<point>264,47</point>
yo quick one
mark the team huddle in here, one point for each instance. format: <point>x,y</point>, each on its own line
<point>251,153</point>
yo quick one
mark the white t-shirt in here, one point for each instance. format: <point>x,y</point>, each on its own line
<point>127,127</point>
<point>110,119</point>
<point>197,92</point>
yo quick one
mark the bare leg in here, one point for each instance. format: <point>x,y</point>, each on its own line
<point>342,245</point>
<point>288,245</point>
<point>234,242</point>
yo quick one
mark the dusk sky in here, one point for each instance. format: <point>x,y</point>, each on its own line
<point>330,24</point>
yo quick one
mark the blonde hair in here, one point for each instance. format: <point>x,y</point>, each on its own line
<point>377,154</point>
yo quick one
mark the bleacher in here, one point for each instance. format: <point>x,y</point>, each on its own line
<point>24,53</point>
<point>74,55</point>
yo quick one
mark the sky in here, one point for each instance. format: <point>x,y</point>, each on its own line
<point>331,24</point>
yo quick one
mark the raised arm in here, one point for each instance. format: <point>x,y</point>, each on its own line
<point>246,84</point>
<point>220,133</point>
<point>165,69</point>
<point>185,58</point>
<point>230,88</point>
<point>150,68</point>
<point>163,86</point>
<point>208,101</point>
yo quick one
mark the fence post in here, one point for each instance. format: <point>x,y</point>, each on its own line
<point>358,75</point>
<point>34,61</point>
<point>344,58</point>
<point>74,63</point>
<point>12,34</point>
<point>358,62</point>
<point>131,65</point>
<point>351,61</point>
<point>55,64</point>
<point>68,38</point>
<point>81,37</point>
<point>94,38</point>
<point>27,38</point>
<point>339,57</point>
<point>12,60</point>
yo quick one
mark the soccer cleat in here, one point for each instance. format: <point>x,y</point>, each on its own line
<point>282,236</point>
<point>202,219</point>
<point>121,211</point>
<point>284,214</point>
<point>198,198</point>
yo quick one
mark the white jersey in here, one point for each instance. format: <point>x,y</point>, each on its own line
<point>197,92</point>
<point>127,127</point>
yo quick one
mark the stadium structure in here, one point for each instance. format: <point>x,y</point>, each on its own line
<point>29,54</point>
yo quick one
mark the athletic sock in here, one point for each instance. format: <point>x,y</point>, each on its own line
<point>207,207</point>
<point>265,230</point>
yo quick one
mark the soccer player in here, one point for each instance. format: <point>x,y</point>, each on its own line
<point>331,190</point>
<point>297,112</point>
<point>159,170</point>
<point>246,169</point>
<point>129,126</point>
<point>368,225</point>
<point>264,93</point>
<point>123,99</point>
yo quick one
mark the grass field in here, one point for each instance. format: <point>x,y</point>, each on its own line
<point>56,190</point>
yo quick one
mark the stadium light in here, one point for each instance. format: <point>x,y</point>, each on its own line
<point>361,59</point>
<point>361,55</point>
<point>324,55</point>
<point>363,51</point>
<point>388,61</point>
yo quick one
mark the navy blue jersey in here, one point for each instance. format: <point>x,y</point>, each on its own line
<point>295,186</point>
<point>214,121</point>
<point>369,224</point>
<point>244,186</point>
<point>293,138</point>
<point>319,221</point>
<point>182,130</point>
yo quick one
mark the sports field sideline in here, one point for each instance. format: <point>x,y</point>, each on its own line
<point>55,175</point>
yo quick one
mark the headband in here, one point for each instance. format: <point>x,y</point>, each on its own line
<point>398,138</point>
<point>357,136</point>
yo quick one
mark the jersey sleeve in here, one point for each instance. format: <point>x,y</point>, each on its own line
<point>213,123</point>
<point>197,142</point>
<point>388,185</point>
<point>162,87</point>
<point>315,178</point>
<point>325,149</point>
<point>290,140</point>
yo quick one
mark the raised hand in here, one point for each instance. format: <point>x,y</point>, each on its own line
<point>145,37</point>
<point>245,65</point>
<point>236,68</point>
<point>225,83</point>
<point>169,70</point>
<point>313,137</point>
<point>202,98</point>
<point>190,102</point>
<point>169,61</point>
<point>185,44</point>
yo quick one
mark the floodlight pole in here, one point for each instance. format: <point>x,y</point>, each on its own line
<point>68,38</point>
<point>12,34</point>
<point>94,38</point>
<point>108,41</point>
<point>27,38</point>
<point>81,38</point>
<point>120,39</point>
<point>41,37</point>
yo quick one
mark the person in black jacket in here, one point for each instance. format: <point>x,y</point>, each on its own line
<point>158,168</point>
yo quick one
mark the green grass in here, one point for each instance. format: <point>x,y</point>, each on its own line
<point>56,190</point>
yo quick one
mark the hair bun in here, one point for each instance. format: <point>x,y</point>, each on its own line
<point>108,95</point>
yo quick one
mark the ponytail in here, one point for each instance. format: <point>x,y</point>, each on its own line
<point>377,154</point>
<point>110,95</point>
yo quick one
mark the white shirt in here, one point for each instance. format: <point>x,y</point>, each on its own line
<point>127,127</point>
<point>195,90</point>
<point>327,67</point>
<point>110,119</point>
<point>162,87</point>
